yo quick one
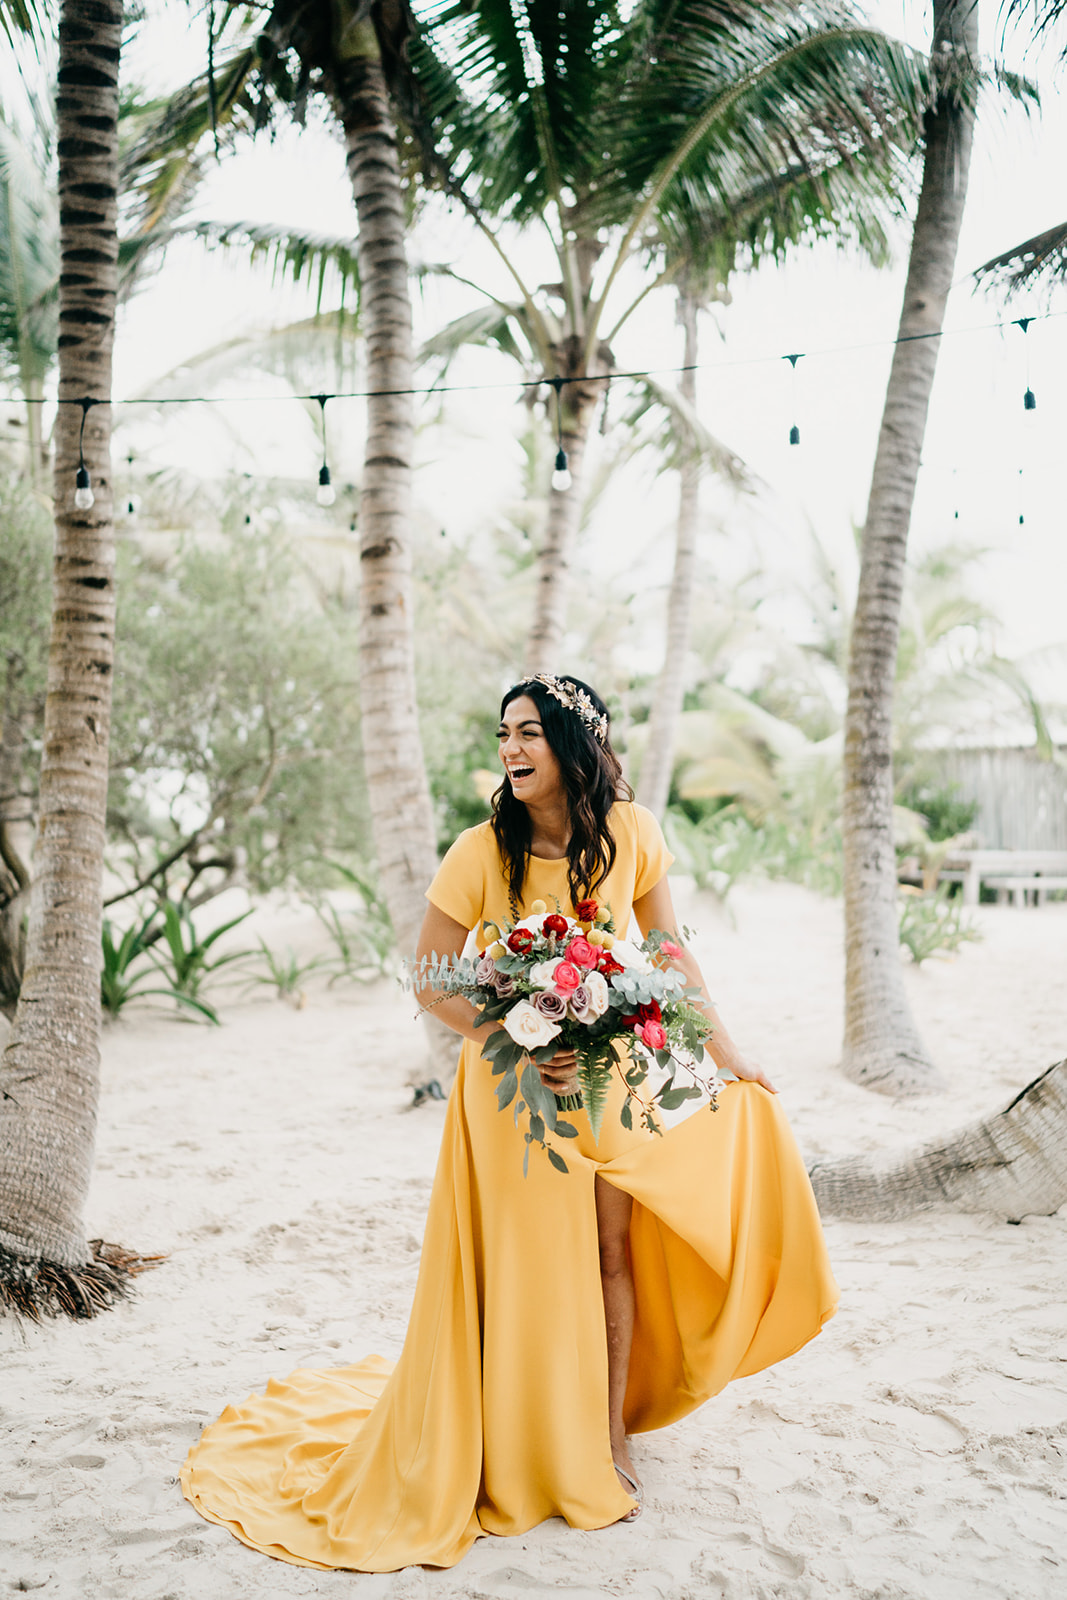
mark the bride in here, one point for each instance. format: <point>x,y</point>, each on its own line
<point>557,1314</point>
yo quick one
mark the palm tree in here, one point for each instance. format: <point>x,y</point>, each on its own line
<point>350,53</point>
<point>882,1048</point>
<point>29,259</point>
<point>674,132</point>
<point>50,1071</point>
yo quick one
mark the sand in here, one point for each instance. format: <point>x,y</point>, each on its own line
<point>915,1449</point>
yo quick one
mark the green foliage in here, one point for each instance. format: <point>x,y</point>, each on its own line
<point>729,846</point>
<point>119,983</point>
<point>236,710</point>
<point>187,958</point>
<point>933,924</point>
<point>945,814</point>
<point>284,973</point>
<point>363,941</point>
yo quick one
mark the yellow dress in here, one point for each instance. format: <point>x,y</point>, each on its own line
<point>496,1415</point>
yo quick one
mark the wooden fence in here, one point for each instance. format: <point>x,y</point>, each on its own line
<point>1022,800</point>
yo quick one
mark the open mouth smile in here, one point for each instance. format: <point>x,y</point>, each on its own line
<point>520,774</point>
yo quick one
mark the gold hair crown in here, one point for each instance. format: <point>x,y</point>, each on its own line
<point>575,700</point>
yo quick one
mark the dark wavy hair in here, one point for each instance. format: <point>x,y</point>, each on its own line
<point>593,781</point>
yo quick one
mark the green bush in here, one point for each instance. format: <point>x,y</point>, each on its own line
<point>933,924</point>
<point>945,813</point>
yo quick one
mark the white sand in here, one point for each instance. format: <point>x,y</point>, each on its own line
<point>916,1449</point>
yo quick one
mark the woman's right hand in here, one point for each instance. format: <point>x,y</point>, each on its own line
<point>561,1073</point>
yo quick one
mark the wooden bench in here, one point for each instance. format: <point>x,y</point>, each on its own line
<point>1010,872</point>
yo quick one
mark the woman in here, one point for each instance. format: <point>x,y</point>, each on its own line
<point>557,1312</point>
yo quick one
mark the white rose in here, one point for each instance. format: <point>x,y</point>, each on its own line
<point>596,987</point>
<point>543,974</point>
<point>628,955</point>
<point>528,1027</point>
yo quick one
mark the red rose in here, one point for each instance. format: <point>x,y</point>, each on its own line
<point>652,1034</point>
<point>581,952</point>
<point>586,910</point>
<point>521,941</point>
<point>566,978</point>
<point>554,924</point>
<point>606,963</point>
<point>644,1014</point>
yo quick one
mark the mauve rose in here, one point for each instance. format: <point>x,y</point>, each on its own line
<point>549,1005</point>
<point>581,1004</point>
<point>567,978</point>
<point>504,984</point>
<point>485,971</point>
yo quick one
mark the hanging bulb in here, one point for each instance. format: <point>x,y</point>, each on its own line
<point>83,491</point>
<point>794,434</point>
<point>325,494</point>
<point>561,478</point>
<point>1029,401</point>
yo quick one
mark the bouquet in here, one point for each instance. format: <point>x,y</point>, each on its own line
<point>550,982</point>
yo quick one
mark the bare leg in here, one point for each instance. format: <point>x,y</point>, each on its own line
<point>613,1210</point>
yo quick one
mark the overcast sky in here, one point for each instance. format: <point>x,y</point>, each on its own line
<point>982,460</point>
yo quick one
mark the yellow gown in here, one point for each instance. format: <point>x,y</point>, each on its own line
<point>495,1416</point>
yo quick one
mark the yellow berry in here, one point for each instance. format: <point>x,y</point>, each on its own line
<point>537,908</point>
<point>596,937</point>
<point>603,914</point>
<point>607,940</point>
<point>496,950</point>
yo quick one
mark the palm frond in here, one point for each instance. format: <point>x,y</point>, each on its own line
<point>494,325</point>
<point>680,435</point>
<point>313,258</point>
<point>1041,260</point>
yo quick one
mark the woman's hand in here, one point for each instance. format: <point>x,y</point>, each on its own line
<point>561,1073</point>
<point>750,1071</point>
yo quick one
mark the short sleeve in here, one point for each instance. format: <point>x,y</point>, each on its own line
<point>653,857</point>
<point>459,886</point>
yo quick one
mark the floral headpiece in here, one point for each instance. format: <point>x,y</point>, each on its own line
<point>575,700</point>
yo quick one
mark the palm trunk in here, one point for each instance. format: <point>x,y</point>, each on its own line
<point>1013,1164</point>
<point>578,401</point>
<point>882,1048</point>
<point>654,787</point>
<point>14,872</point>
<point>50,1073</point>
<point>399,794</point>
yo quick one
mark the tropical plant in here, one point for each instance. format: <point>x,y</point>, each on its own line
<point>284,973</point>
<point>684,134</point>
<point>49,1077</point>
<point>933,923</point>
<point>119,983</point>
<point>186,957</point>
<point>362,936</point>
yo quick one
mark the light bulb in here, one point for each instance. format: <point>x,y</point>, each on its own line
<point>561,478</point>
<point>325,494</point>
<point>83,491</point>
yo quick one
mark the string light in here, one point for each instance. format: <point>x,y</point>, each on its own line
<point>325,494</point>
<point>794,432</point>
<point>83,484</point>
<point>561,477</point>
<point>1029,398</point>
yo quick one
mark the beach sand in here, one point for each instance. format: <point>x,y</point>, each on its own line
<point>914,1451</point>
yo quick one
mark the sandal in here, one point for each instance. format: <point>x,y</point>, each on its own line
<point>635,1489</point>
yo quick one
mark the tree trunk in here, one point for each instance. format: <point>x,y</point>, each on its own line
<point>1013,1164</point>
<point>401,810</point>
<point>14,871</point>
<point>578,401</point>
<point>882,1048</point>
<point>654,787</point>
<point>50,1073</point>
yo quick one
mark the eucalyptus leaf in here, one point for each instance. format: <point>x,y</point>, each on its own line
<point>557,1160</point>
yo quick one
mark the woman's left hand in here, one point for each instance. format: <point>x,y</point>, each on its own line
<point>750,1071</point>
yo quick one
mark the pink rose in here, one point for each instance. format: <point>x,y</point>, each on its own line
<point>581,952</point>
<point>652,1034</point>
<point>485,972</point>
<point>581,1004</point>
<point>504,984</point>
<point>673,952</point>
<point>567,978</point>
